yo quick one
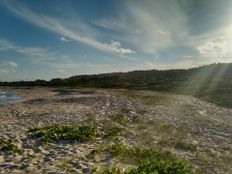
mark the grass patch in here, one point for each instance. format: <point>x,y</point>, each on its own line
<point>153,167</point>
<point>160,167</point>
<point>65,132</point>
<point>179,144</point>
<point>112,171</point>
<point>146,160</point>
<point>8,146</point>
<point>126,110</point>
<point>111,131</point>
<point>119,118</point>
<point>66,166</point>
<point>74,133</point>
<point>158,99</point>
<point>185,146</point>
<point>135,154</point>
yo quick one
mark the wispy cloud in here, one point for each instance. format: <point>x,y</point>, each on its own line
<point>7,66</point>
<point>215,46</point>
<point>60,28</point>
<point>32,52</point>
<point>147,26</point>
<point>6,45</point>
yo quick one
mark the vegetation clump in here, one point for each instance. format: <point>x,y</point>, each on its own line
<point>65,132</point>
<point>179,144</point>
<point>8,146</point>
<point>111,131</point>
<point>119,118</point>
<point>160,167</point>
<point>74,133</point>
<point>135,154</point>
<point>154,167</point>
<point>146,160</point>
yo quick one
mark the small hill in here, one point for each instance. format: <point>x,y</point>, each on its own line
<point>212,82</point>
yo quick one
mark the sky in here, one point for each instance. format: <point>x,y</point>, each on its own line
<point>48,39</point>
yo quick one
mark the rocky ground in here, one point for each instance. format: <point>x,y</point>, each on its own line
<point>196,131</point>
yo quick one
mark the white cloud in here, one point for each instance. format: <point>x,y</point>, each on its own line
<point>37,52</point>
<point>58,27</point>
<point>64,39</point>
<point>12,64</point>
<point>8,66</point>
<point>164,32</point>
<point>147,26</point>
<point>116,46</point>
<point>32,52</point>
<point>6,45</point>
<point>111,24</point>
<point>216,46</point>
<point>60,70</point>
<point>3,71</point>
<point>155,23</point>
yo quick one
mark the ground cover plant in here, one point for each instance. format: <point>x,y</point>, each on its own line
<point>8,146</point>
<point>77,133</point>
<point>65,132</point>
<point>146,160</point>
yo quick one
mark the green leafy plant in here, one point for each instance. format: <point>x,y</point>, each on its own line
<point>160,167</point>
<point>65,132</point>
<point>7,145</point>
<point>154,167</point>
<point>112,171</point>
<point>119,118</point>
<point>135,154</point>
<point>111,131</point>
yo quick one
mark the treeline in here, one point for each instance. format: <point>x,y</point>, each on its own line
<point>212,82</point>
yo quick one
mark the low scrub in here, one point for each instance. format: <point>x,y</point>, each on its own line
<point>65,132</point>
<point>154,167</point>
<point>131,154</point>
<point>179,144</point>
<point>146,160</point>
<point>160,167</point>
<point>8,146</point>
<point>119,118</point>
<point>75,133</point>
<point>111,131</point>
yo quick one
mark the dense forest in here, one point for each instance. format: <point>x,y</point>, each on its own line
<point>212,82</point>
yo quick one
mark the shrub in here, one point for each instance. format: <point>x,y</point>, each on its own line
<point>111,131</point>
<point>117,149</point>
<point>154,167</point>
<point>7,145</point>
<point>119,118</point>
<point>65,132</point>
<point>160,167</point>
<point>138,153</point>
<point>185,146</point>
<point>112,171</point>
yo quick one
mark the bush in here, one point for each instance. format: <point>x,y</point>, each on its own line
<point>65,132</point>
<point>112,171</point>
<point>147,160</point>
<point>7,145</point>
<point>160,167</point>
<point>117,149</point>
<point>112,131</point>
<point>154,167</point>
<point>119,118</point>
<point>138,153</point>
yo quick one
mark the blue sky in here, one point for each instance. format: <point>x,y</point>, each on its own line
<point>47,39</point>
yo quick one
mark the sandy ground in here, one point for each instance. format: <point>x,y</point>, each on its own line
<point>206,125</point>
